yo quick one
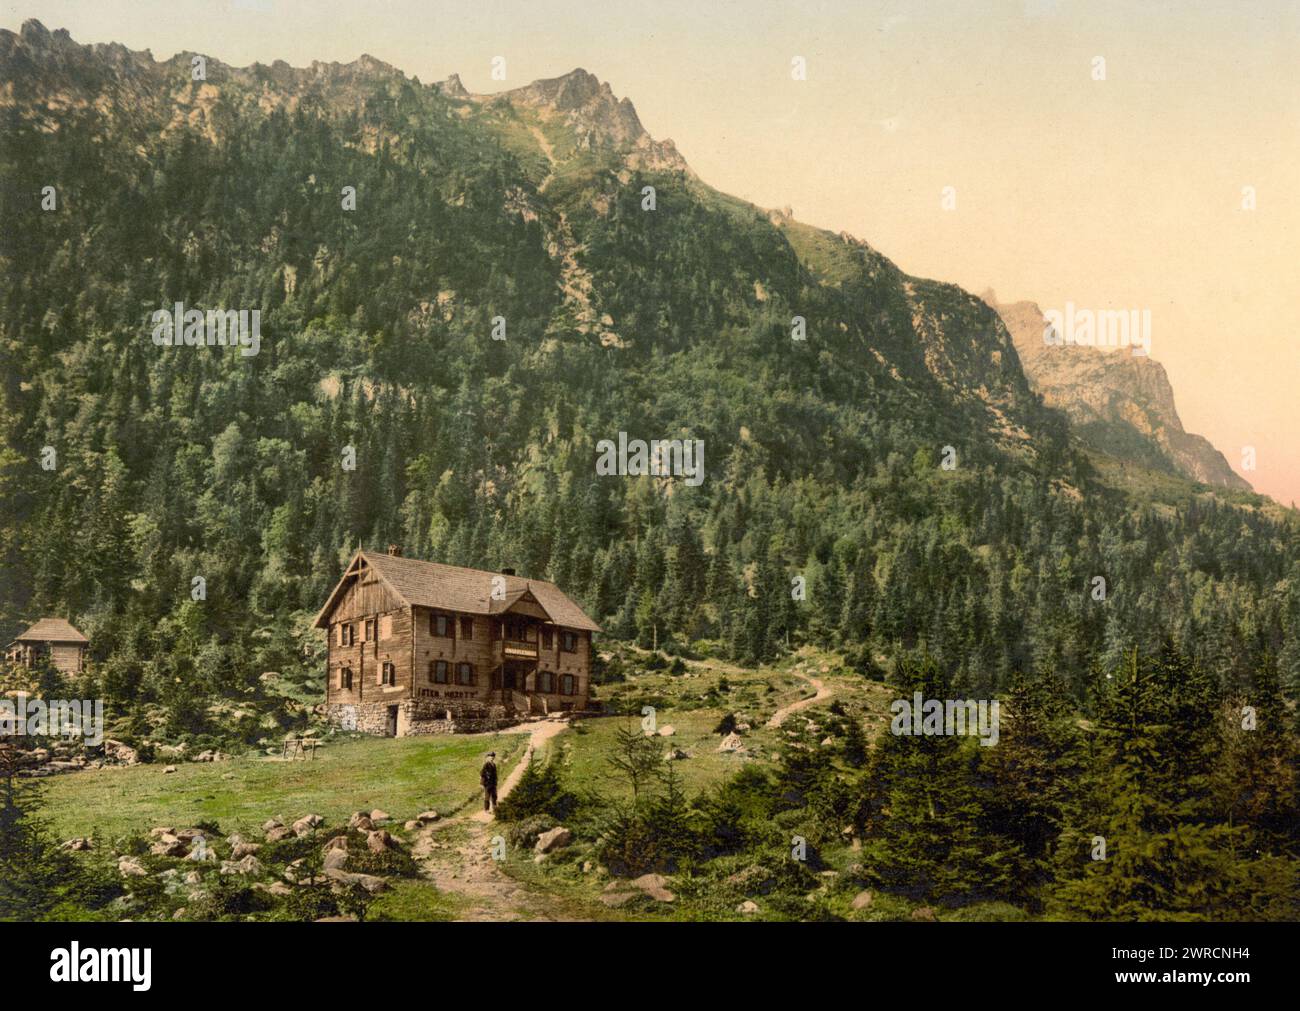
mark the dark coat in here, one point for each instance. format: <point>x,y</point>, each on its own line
<point>488,775</point>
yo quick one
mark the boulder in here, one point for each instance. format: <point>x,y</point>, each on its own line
<point>335,860</point>
<point>924,913</point>
<point>168,770</point>
<point>732,742</point>
<point>749,907</point>
<point>414,825</point>
<point>361,822</point>
<point>116,751</point>
<point>307,824</point>
<point>130,867</point>
<point>674,755</point>
<point>379,841</point>
<point>369,882</point>
<point>554,839</point>
<point>667,730</point>
<point>862,900</point>
<point>244,849</point>
<point>272,823</point>
<point>378,817</point>
<point>276,834</point>
<point>339,842</point>
<point>79,843</point>
<point>169,846</point>
<point>655,886</point>
<point>428,816</point>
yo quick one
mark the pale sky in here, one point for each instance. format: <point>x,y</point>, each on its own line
<point>1122,193</point>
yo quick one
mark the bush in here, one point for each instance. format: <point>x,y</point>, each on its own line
<point>539,791</point>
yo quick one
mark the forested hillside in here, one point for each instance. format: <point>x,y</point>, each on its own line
<point>823,456</point>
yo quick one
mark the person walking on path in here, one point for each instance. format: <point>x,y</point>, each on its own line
<point>488,777</point>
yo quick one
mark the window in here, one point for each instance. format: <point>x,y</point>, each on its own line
<point>464,674</point>
<point>368,631</point>
<point>347,633</point>
<point>345,679</point>
<point>438,672</point>
<point>388,675</point>
<point>546,638</point>
<point>546,681</point>
<point>568,684</point>
<point>467,628</point>
<point>569,642</point>
<point>440,625</point>
<point>386,627</point>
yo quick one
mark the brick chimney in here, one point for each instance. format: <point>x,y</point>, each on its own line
<point>395,550</point>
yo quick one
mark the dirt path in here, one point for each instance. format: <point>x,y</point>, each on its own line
<point>823,693</point>
<point>456,854</point>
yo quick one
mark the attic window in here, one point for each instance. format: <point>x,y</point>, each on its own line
<point>441,625</point>
<point>569,643</point>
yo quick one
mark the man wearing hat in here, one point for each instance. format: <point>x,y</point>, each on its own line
<point>488,777</point>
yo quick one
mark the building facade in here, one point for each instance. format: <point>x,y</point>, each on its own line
<point>53,639</point>
<point>422,648</point>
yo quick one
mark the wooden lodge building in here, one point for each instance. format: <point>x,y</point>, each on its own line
<point>51,638</point>
<point>423,648</point>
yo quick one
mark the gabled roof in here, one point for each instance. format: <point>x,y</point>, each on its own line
<point>453,588</point>
<point>52,630</point>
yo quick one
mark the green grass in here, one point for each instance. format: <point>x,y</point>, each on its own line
<point>403,776</point>
<point>414,902</point>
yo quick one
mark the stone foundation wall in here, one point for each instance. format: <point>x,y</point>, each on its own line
<point>420,716</point>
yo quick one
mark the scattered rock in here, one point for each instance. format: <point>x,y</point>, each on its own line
<point>655,886</point>
<point>169,846</point>
<point>272,823</point>
<point>555,839</point>
<point>379,841</point>
<point>732,742</point>
<point>369,882</point>
<point>378,817</point>
<point>924,913</point>
<point>169,769</point>
<point>667,730</point>
<point>306,824</point>
<point>116,751</point>
<point>130,867</point>
<point>193,878</point>
<point>157,833</point>
<point>335,860</point>
<point>339,842</point>
<point>361,822</point>
<point>276,834</point>
<point>428,816</point>
<point>79,843</point>
<point>749,907</point>
<point>244,849</point>
<point>862,900</point>
<point>674,755</point>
